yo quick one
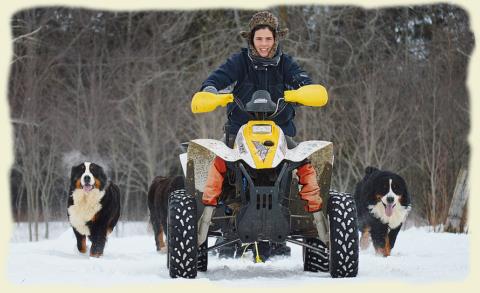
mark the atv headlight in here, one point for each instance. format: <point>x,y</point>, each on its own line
<point>262,128</point>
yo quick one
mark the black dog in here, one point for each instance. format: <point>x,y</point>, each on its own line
<point>383,204</point>
<point>158,194</point>
<point>93,206</point>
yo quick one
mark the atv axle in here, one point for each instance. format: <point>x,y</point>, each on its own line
<point>319,250</point>
<point>223,243</point>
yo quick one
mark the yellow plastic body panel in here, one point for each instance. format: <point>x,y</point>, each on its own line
<point>313,95</point>
<point>203,102</point>
<point>252,139</point>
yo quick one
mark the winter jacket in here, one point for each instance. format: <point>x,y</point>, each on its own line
<point>247,73</point>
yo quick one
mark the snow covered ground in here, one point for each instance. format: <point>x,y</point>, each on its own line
<point>419,257</point>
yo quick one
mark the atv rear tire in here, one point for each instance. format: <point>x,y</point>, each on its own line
<point>182,235</point>
<point>342,216</point>
<point>314,261</point>
<point>202,258</point>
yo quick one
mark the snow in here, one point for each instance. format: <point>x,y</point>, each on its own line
<point>419,257</point>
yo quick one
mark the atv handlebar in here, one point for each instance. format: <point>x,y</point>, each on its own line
<point>203,102</point>
<point>313,95</point>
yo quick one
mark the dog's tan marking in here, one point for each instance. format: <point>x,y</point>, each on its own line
<point>97,183</point>
<point>385,251</point>
<point>78,184</point>
<point>83,247</point>
<point>161,242</point>
<point>388,248</point>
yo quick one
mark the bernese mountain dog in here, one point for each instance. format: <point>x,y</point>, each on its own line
<point>383,204</point>
<point>158,194</point>
<point>93,206</point>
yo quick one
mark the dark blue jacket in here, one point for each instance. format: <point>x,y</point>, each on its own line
<point>247,74</point>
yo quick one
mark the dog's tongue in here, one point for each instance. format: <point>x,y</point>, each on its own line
<point>87,188</point>
<point>389,210</point>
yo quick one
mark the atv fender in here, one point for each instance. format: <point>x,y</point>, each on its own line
<point>320,155</point>
<point>201,153</point>
<point>304,149</point>
<point>218,148</point>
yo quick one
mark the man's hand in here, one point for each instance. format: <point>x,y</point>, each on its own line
<point>210,89</point>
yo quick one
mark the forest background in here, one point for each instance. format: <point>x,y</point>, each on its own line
<point>115,87</point>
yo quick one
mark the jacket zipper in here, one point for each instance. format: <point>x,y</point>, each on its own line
<point>266,78</point>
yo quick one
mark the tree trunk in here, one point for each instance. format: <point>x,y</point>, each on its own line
<point>456,219</point>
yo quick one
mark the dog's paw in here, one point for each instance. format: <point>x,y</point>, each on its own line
<point>382,252</point>
<point>163,250</point>
<point>95,254</point>
<point>364,241</point>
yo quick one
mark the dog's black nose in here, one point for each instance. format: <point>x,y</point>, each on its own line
<point>390,199</point>
<point>86,179</point>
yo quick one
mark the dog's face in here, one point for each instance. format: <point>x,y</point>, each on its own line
<point>390,191</point>
<point>388,198</point>
<point>87,176</point>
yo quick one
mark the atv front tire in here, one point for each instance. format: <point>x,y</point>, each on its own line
<point>182,235</point>
<point>342,216</point>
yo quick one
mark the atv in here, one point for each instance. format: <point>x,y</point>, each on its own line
<point>260,200</point>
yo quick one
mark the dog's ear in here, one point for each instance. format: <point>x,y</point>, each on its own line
<point>369,170</point>
<point>72,179</point>
<point>72,171</point>
<point>99,172</point>
<point>406,200</point>
<point>103,177</point>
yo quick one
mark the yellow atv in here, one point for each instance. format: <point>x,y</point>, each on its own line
<point>260,200</point>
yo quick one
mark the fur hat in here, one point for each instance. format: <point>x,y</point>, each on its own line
<point>264,18</point>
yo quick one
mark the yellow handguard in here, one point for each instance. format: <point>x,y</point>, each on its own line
<point>313,95</point>
<point>203,102</point>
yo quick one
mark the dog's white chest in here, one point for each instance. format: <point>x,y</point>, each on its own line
<point>85,206</point>
<point>398,217</point>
